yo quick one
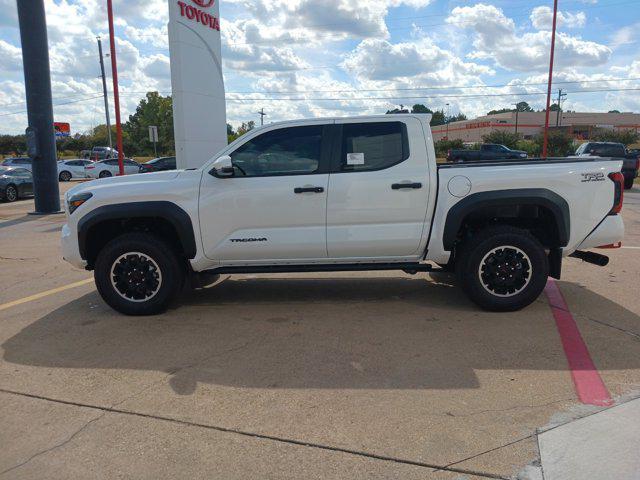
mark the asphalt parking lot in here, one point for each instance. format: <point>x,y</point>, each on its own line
<point>381,375</point>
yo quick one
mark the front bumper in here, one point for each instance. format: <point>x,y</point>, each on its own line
<point>70,249</point>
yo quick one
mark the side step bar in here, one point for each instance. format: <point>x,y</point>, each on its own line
<point>591,257</point>
<point>411,268</point>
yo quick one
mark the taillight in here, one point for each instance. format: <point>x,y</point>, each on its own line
<point>618,196</point>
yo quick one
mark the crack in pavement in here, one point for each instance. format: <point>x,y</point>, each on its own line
<point>55,447</point>
<point>260,436</point>
<point>605,324</point>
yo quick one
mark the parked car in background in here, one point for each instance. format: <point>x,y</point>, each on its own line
<point>68,169</point>
<point>488,151</point>
<point>101,153</point>
<point>19,162</point>
<point>15,183</point>
<point>158,165</point>
<point>110,168</point>
<point>631,160</point>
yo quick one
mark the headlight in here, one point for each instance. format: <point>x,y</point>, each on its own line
<point>77,200</point>
<point>523,155</point>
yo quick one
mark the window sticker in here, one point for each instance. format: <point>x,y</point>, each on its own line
<point>355,158</point>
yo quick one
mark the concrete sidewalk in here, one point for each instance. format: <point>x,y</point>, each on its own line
<point>602,446</point>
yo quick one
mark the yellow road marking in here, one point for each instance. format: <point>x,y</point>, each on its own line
<point>46,293</point>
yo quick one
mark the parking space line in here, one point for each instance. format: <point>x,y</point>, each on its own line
<point>46,293</point>
<point>589,386</point>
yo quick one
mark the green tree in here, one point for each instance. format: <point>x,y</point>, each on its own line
<point>419,108</point>
<point>442,146</point>
<point>523,107</point>
<point>560,143</point>
<point>508,139</point>
<point>614,111</point>
<point>156,110</point>
<point>502,110</point>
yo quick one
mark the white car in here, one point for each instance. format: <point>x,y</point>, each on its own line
<point>351,194</point>
<point>110,168</point>
<point>68,169</point>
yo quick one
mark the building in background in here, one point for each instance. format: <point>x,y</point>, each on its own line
<point>578,124</point>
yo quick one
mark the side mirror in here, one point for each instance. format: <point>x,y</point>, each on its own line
<point>222,167</point>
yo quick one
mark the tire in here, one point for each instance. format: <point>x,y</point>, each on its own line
<point>523,262</point>
<point>628,183</point>
<point>160,273</point>
<point>65,176</point>
<point>105,174</point>
<point>11,193</point>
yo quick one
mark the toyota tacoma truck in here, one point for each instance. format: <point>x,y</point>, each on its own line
<point>343,194</point>
<point>487,151</point>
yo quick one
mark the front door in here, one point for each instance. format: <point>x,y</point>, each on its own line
<point>378,190</point>
<point>274,207</point>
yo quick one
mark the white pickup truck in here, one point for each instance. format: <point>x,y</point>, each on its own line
<point>343,194</point>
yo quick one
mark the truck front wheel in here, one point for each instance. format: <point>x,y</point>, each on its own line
<point>503,268</point>
<point>138,274</point>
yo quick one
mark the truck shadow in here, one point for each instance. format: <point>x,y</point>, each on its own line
<point>345,333</point>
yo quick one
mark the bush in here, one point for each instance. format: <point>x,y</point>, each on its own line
<point>626,137</point>
<point>532,148</point>
<point>560,143</point>
<point>508,139</point>
<point>442,146</point>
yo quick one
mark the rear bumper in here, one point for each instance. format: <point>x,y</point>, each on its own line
<point>610,231</point>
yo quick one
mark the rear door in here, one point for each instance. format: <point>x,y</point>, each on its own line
<point>378,189</point>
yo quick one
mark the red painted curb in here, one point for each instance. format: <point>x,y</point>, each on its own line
<point>589,386</point>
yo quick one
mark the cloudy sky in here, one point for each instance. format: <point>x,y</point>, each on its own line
<point>308,58</point>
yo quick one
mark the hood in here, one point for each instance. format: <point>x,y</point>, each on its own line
<point>136,179</point>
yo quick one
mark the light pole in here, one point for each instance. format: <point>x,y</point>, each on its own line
<point>553,46</point>
<point>447,121</point>
<point>104,92</point>
<point>517,111</point>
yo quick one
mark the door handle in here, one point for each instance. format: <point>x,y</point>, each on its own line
<point>308,190</point>
<point>398,186</point>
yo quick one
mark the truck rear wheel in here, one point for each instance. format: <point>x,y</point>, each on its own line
<point>503,268</point>
<point>138,274</point>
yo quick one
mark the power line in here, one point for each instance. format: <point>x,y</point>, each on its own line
<point>444,96</point>
<point>55,105</point>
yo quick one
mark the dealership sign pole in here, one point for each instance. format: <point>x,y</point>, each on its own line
<point>553,46</point>
<point>197,85</point>
<point>41,142</point>
<point>116,96</point>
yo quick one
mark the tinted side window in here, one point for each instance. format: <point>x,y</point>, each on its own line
<point>22,161</point>
<point>373,146</point>
<point>609,151</point>
<point>111,162</point>
<point>287,151</point>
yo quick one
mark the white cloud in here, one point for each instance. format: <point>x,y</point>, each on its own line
<point>542,18</point>
<point>495,37</point>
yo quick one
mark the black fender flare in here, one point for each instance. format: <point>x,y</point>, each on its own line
<point>543,197</point>
<point>169,211</point>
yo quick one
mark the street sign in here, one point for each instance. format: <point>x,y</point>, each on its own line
<point>62,129</point>
<point>153,133</point>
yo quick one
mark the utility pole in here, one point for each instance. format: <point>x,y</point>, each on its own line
<point>560,97</point>
<point>517,111</point>
<point>262,115</point>
<point>104,92</point>
<point>545,142</point>
<point>41,142</point>
<point>116,95</point>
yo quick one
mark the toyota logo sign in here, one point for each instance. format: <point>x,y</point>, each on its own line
<point>196,15</point>
<point>204,3</point>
